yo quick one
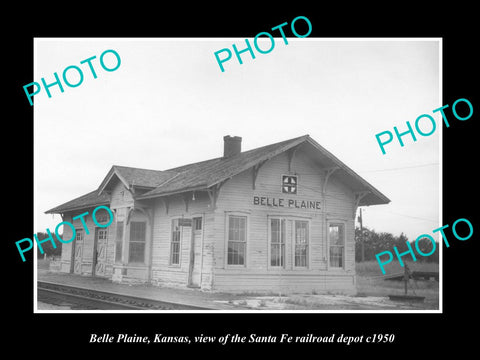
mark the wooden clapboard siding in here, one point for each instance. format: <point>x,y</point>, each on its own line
<point>162,271</point>
<point>236,197</point>
<point>350,246</point>
<point>88,243</point>
<point>110,247</point>
<point>260,282</point>
<point>67,248</point>
<point>233,175</point>
<point>208,249</point>
<point>65,266</point>
<point>122,202</point>
<point>120,197</point>
<point>339,199</point>
<point>135,273</point>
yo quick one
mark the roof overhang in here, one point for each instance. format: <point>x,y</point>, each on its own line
<point>354,181</point>
<point>108,178</point>
<point>325,159</point>
<point>70,209</point>
<point>367,194</point>
<point>170,193</point>
<point>86,201</point>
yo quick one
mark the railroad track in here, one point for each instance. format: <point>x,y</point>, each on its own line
<point>89,299</point>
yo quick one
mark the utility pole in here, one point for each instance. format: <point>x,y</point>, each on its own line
<point>362,240</point>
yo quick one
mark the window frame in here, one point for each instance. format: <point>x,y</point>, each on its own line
<point>195,220</point>
<point>294,244</point>
<point>270,243</point>
<point>290,242</point>
<point>227,234</point>
<point>180,234</point>
<point>343,223</point>
<point>130,261</point>
<point>77,232</point>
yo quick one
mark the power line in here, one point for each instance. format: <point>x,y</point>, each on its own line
<point>413,217</point>
<point>399,168</point>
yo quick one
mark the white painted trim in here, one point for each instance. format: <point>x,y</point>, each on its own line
<point>289,248</point>
<point>170,265</point>
<point>245,214</point>
<point>344,223</point>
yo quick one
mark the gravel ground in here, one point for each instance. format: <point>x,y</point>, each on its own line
<point>45,306</point>
<point>373,295</point>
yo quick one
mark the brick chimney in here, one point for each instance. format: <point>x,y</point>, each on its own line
<point>232,145</point>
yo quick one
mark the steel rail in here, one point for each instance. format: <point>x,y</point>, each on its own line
<point>109,298</point>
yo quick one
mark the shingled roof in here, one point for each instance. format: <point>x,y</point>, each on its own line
<point>92,199</point>
<point>205,174</point>
<point>129,176</point>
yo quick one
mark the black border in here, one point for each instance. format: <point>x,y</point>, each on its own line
<point>415,333</point>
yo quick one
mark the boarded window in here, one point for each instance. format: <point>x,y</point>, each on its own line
<point>119,242</point>
<point>277,242</point>
<point>175,244</point>
<point>301,243</point>
<point>336,234</point>
<point>136,248</point>
<point>237,240</point>
<point>185,222</point>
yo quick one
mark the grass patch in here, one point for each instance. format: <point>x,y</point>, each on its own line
<point>299,301</point>
<point>43,263</point>
<point>371,267</point>
<point>371,283</point>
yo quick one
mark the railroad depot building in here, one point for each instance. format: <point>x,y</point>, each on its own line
<point>276,218</point>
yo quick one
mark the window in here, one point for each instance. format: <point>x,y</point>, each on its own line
<point>102,234</point>
<point>137,242</point>
<point>336,234</point>
<point>237,240</point>
<point>277,242</point>
<point>175,244</point>
<point>119,242</point>
<point>197,223</point>
<point>301,243</point>
<point>78,235</point>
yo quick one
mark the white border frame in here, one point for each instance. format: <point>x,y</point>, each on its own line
<point>373,39</point>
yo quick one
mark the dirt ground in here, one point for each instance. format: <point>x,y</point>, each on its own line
<point>372,293</point>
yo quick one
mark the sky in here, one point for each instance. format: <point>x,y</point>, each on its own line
<point>169,104</point>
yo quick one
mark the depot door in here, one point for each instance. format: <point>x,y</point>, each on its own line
<point>77,259</point>
<point>99,252</point>
<point>196,253</point>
